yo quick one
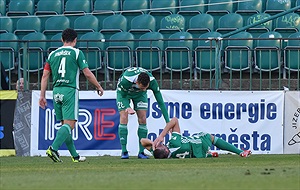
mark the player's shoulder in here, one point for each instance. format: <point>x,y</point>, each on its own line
<point>65,50</point>
<point>132,71</point>
<point>136,71</point>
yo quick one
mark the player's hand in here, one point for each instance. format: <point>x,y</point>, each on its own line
<point>130,111</point>
<point>42,102</point>
<point>157,141</point>
<point>100,91</point>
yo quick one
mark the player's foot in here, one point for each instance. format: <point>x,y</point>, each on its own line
<point>53,154</point>
<point>142,156</point>
<point>246,153</point>
<point>214,154</point>
<point>78,159</point>
<point>124,155</point>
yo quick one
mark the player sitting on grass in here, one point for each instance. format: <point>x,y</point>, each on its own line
<point>196,146</point>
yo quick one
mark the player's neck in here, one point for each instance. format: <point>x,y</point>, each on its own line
<point>69,44</point>
<point>72,44</point>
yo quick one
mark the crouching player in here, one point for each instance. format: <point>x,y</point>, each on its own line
<point>196,146</point>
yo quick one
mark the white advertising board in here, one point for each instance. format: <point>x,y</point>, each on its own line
<point>248,120</point>
<point>292,123</point>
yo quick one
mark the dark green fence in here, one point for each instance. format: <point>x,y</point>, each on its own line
<point>256,54</point>
<point>267,63</point>
<point>253,57</point>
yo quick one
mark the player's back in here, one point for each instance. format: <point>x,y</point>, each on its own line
<point>134,71</point>
<point>131,75</point>
<point>65,67</point>
<point>180,146</point>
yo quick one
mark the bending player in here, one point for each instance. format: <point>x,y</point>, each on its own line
<point>133,86</point>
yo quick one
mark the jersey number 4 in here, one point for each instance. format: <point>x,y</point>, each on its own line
<point>62,67</point>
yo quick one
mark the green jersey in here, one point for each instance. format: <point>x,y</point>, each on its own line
<point>127,88</point>
<point>195,146</point>
<point>66,63</point>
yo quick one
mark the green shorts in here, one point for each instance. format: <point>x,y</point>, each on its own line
<point>65,101</point>
<point>139,100</point>
<point>200,149</point>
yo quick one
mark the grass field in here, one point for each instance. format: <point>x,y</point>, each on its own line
<point>225,172</point>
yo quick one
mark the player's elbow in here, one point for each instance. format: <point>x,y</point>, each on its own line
<point>87,73</point>
<point>143,142</point>
<point>146,142</point>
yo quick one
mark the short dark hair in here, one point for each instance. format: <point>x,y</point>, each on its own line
<point>160,153</point>
<point>69,35</point>
<point>143,78</point>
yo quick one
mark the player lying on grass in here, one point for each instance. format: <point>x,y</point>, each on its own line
<point>195,146</point>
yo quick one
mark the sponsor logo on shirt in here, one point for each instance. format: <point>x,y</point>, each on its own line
<point>63,80</point>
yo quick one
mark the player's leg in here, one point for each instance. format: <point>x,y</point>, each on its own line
<point>69,141</point>
<point>141,106</point>
<point>123,133</point>
<point>201,144</point>
<point>223,145</point>
<point>72,149</point>
<point>122,130</point>
<point>66,104</point>
<point>142,131</point>
<point>70,115</point>
<point>61,135</point>
<point>70,144</point>
<point>63,132</point>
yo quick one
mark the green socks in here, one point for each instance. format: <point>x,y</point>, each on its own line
<point>123,132</point>
<point>70,144</point>
<point>64,135</point>
<point>223,145</point>
<point>142,133</point>
<point>61,135</point>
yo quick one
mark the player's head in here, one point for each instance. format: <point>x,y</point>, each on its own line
<point>161,152</point>
<point>143,81</point>
<point>69,35</point>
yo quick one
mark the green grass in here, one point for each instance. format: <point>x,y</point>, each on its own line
<point>225,172</point>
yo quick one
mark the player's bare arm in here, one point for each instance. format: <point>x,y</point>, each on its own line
<point>172,126</point>
<point>44,81</point>
<point>91,77</point>
<point>147,143</point>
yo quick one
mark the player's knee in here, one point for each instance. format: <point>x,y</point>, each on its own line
<point>71,123</point>
<point>123,118</point>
